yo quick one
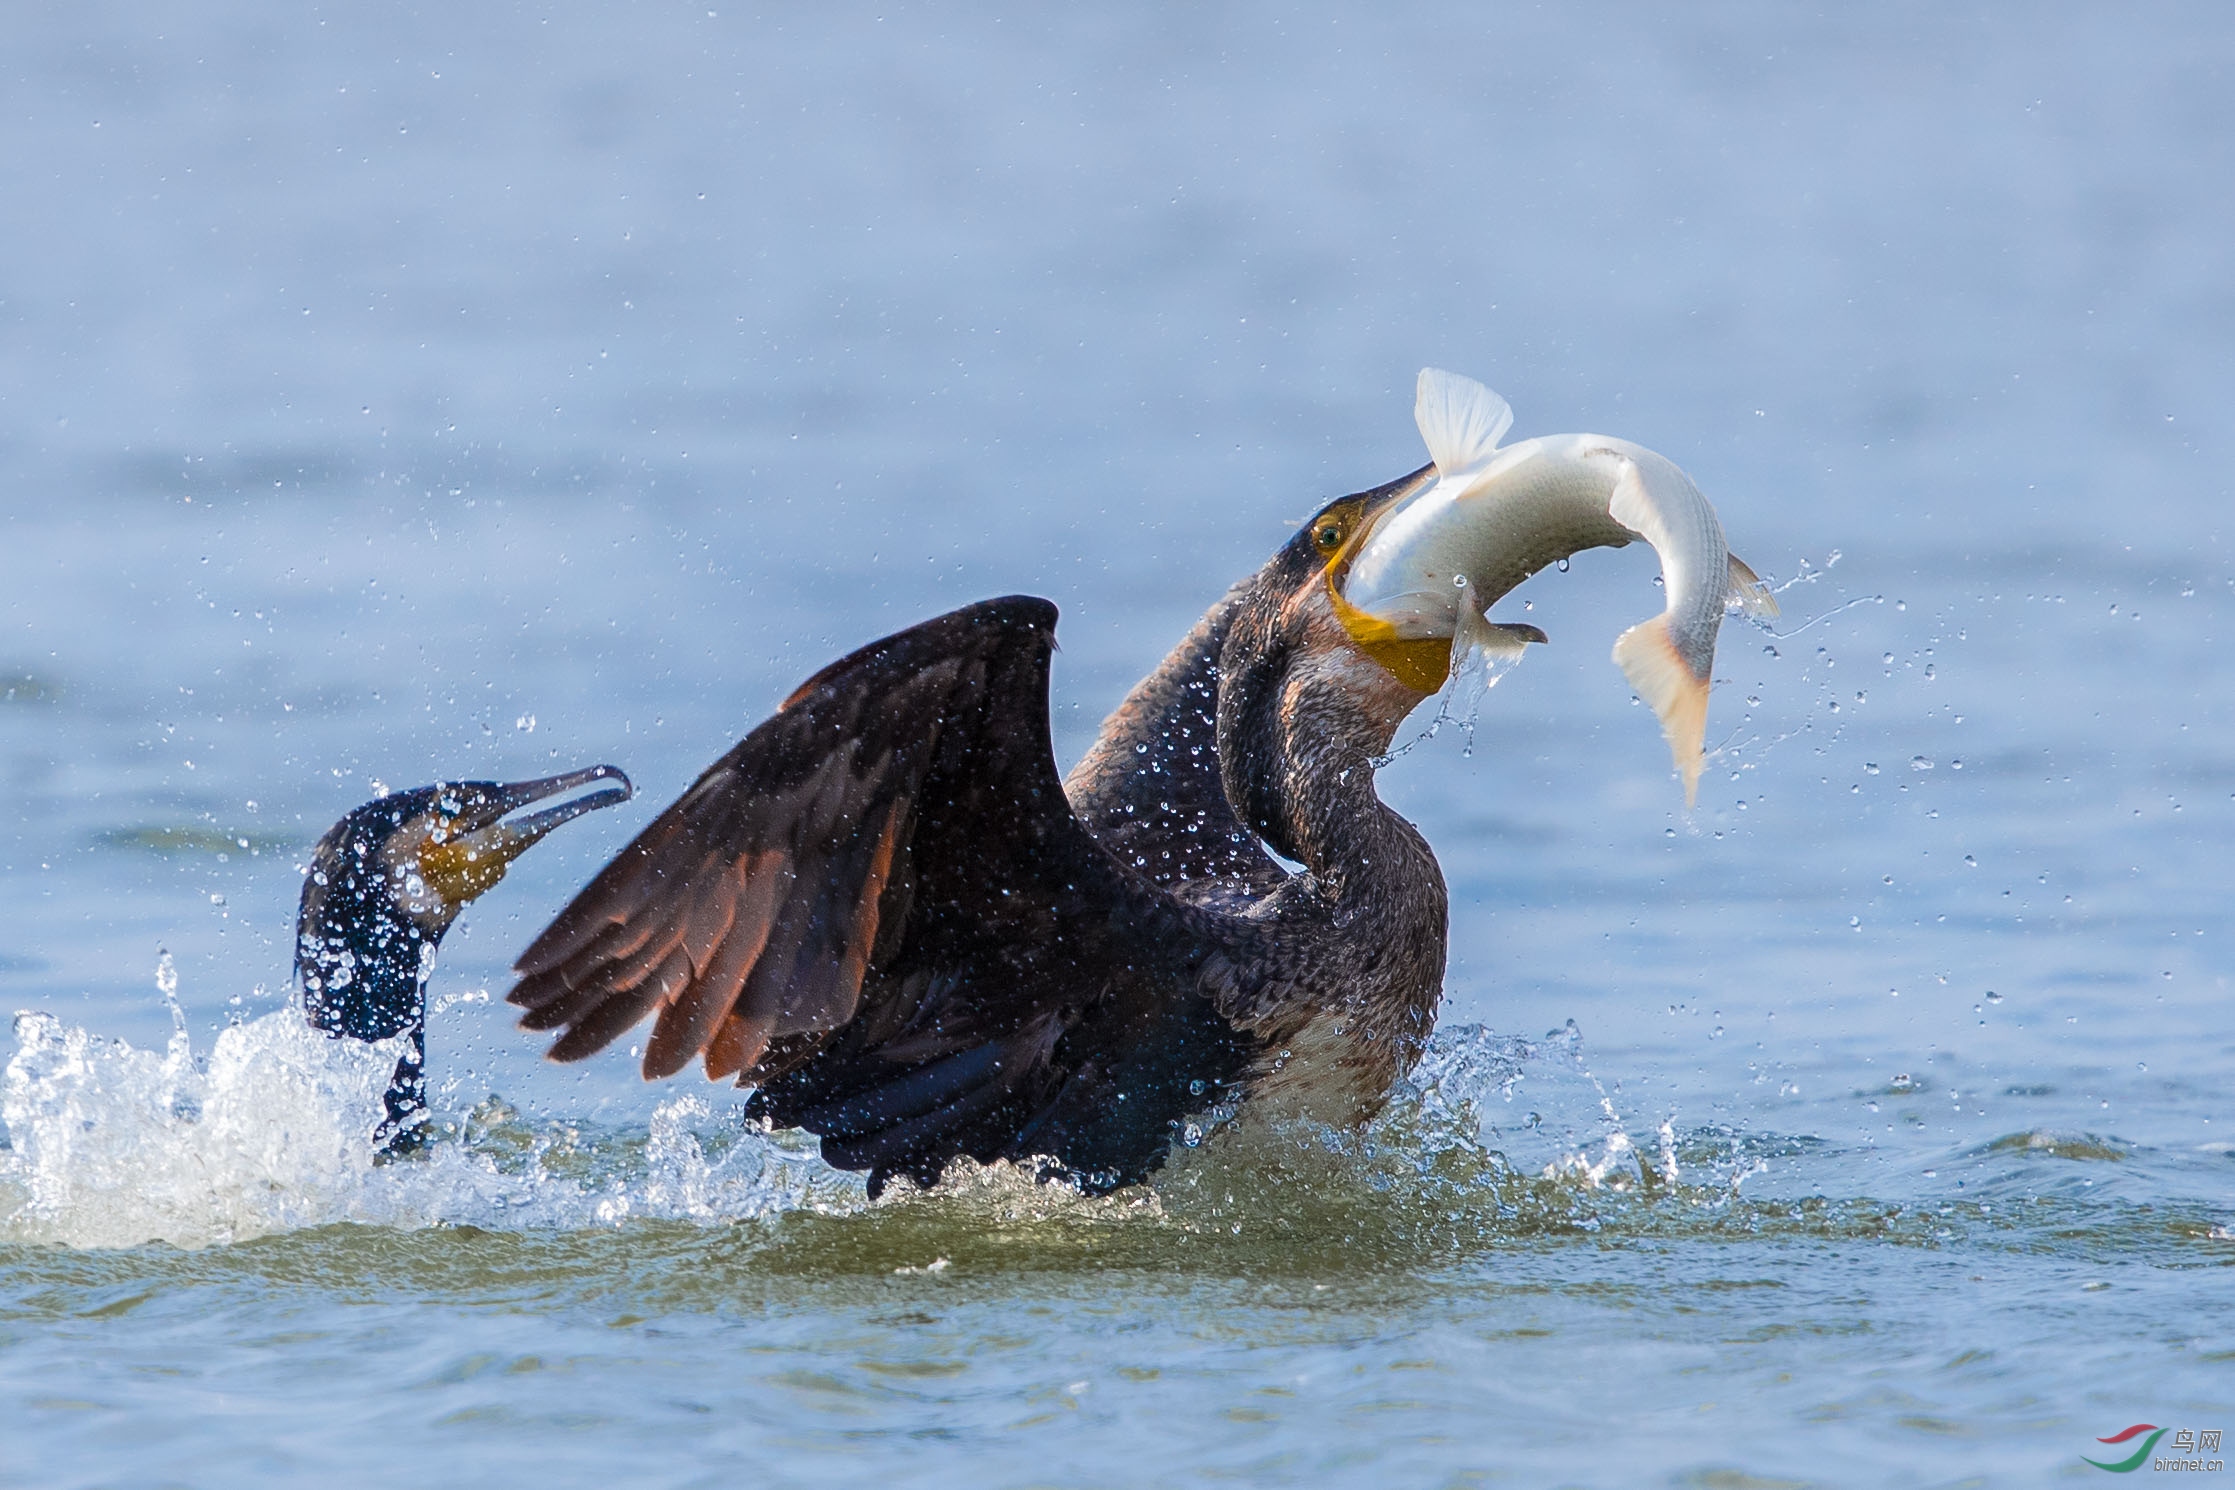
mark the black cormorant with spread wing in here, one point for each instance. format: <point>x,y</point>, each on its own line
<point>885,911</point>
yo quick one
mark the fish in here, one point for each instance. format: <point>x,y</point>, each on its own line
<point>1493,515</point>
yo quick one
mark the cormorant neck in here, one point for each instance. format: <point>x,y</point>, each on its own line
<point>363,968</point>
<point>1302,718</point>
<point>1330,818</point>
<point>1151,790</point>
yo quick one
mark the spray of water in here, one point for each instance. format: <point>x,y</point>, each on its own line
<point>1481,655</point>
<point>270,1129</point>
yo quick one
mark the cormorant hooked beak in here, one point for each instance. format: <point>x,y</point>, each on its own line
<point>464,840</point>
<point>1414,581</point>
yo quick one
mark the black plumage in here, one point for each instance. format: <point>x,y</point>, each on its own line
<point>383,886</point>
<point>885,910</point>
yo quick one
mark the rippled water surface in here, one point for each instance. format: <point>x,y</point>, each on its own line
<point>391,397</point>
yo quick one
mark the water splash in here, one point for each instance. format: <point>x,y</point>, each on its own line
<point>704,1166</point>
<point>1481,656</point>
<point>270,1132</point>
<point>112,1146</point>
<point>1537,1103</point>
<point>1790,632</point>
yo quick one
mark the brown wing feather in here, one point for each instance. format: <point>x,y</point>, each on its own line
<point>752,910</point>
<point>880,910</point>
<point>737,1046</point>
<point>760,880</point>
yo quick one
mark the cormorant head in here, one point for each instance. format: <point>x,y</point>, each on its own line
<point>1414,651</point>
<point>1308,695</point>
<point>1300,625</point>
<point>386,881</point>
<point>428,852</point>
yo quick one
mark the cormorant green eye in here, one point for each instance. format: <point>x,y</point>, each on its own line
<point>1328,536</point>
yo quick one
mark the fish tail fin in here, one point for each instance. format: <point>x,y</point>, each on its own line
<point>1749,593</point>
<point>1648,657</point>
<point>1461,420</point>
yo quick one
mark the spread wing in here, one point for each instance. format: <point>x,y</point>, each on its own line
<point>880,909</point>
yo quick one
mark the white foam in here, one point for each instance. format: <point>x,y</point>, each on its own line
<point>113,1146</point>
<point>1535,1102</point>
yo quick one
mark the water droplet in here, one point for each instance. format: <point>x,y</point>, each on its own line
<point>1920,763</point>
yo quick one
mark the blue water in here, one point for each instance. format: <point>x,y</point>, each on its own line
<point>392,396</point>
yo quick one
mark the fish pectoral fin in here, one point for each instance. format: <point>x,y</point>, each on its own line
<point>1648,657</point>
<point>1748,592</point>
<point>1500,642</point>
<point>1461,420</point>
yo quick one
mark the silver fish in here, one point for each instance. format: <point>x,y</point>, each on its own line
<point>1493,515</point>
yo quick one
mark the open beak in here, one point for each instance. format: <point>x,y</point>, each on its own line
<point>463,857</point>
<point>1426,571</point>
<point>1419,621</point>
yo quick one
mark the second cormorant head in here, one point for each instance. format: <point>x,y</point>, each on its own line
<point>388,880</point>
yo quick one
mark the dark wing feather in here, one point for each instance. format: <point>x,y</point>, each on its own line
<point>880,908</point>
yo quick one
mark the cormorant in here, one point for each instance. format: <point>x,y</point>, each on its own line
<point>885,911</point>
<point>383,886</point>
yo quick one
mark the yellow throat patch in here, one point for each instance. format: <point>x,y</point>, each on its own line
<point>1421,663</point>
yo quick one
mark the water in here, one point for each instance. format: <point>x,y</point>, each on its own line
<point>391,397</point>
